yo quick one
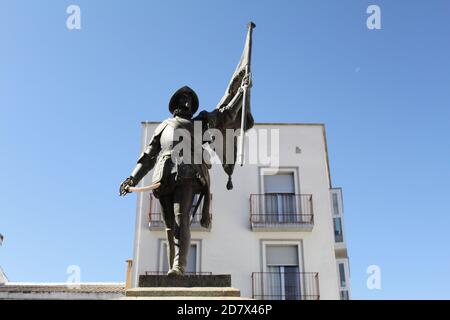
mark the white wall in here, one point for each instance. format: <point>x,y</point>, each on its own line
<point>231,247</point>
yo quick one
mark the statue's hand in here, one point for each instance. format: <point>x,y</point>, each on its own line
<point>129,182</point>
<point>247,81</point>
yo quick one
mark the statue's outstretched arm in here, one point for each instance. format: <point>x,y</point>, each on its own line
<point>224,116</point>
<point>145,163</point>
<point>230,111</point>
<point>147,160</point>
<point>221,118</point>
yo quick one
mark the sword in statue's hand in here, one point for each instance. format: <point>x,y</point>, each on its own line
<point>144,189</point>
<point>129,186</point>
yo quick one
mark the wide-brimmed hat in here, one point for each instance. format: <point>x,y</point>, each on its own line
<point>184,90</point>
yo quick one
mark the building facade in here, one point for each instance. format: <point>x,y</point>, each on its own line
<point>279,232</point>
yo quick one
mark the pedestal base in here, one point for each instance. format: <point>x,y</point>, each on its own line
<point>211,287</point>
<point>183,292</point>
<point>186,281</point>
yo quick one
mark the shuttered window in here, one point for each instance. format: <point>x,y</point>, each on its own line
<point>281,255</point>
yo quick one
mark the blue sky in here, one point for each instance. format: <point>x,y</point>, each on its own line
<point>71,103</point>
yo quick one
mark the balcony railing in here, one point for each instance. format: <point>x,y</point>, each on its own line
<point>156,220</point>
<point>281,212</point>
<point>344,294</point>
<point>285,285</point>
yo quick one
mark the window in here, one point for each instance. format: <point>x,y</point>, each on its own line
<point>343,282</point>
<point>338,235</point>
<point>344,295</point>
<point>282,182</point>
<point>192,258</point>
<point>335,203</point>
<point>283,280</point>
<point>279,194</point>
<point>278,254</point>
<point>343,278</point>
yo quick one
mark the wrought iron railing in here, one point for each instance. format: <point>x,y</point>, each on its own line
<point>285,285</point>
<point>344,294</point>
<point>275,209</point>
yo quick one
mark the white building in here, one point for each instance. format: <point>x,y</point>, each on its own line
<point>279,232</point>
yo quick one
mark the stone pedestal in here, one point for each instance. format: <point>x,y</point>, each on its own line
<point>184,287</point>
<point>184,293</point>
<point>186,281</point>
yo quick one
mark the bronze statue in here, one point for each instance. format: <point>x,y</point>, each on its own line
<point>177,178</point>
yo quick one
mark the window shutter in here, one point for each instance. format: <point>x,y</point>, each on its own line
<point>281,255</point>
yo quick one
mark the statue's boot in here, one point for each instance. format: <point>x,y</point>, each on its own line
<point>179,262</point>
<point>182,243</point>
<point>175,272</point>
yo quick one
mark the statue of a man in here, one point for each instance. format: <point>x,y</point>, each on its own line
<point>180,180</point>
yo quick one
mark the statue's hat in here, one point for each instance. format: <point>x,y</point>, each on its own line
<point>184,90</point>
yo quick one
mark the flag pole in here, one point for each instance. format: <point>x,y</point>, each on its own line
<point>243,118</point>
<point>250,27</point>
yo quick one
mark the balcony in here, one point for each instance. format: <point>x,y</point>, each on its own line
<point>344,294</point>
<point>156,221</point>
<point>281,212</point>
<point>285,285</point>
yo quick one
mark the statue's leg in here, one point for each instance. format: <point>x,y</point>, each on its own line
<point>171,246</point>
<point>183,198</point>
<point>169,220</point>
